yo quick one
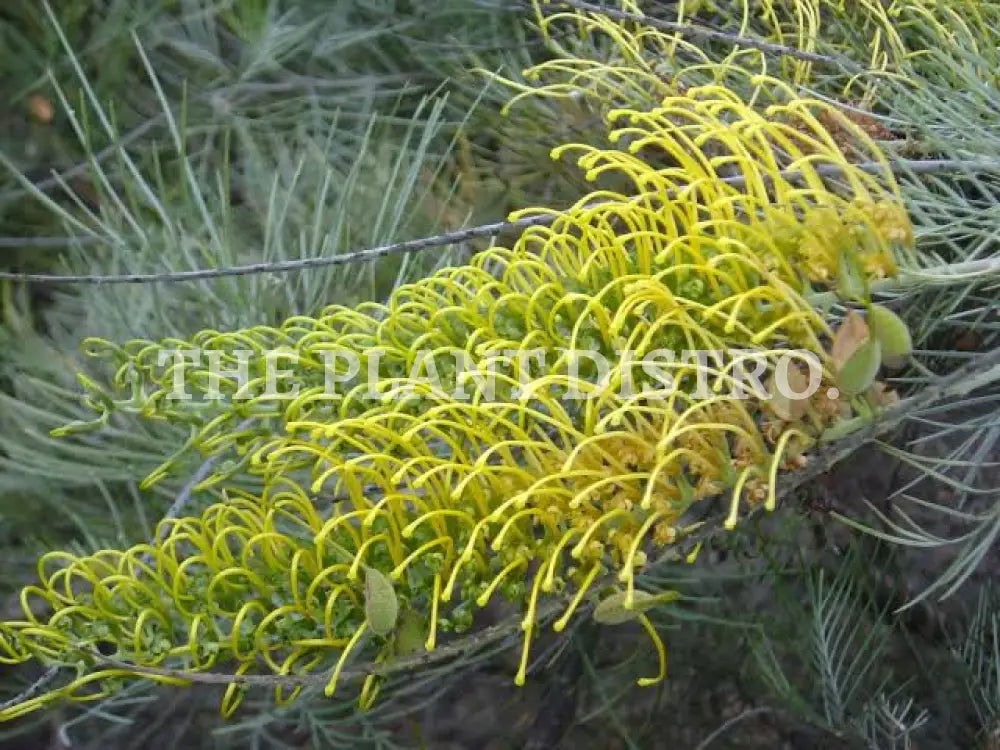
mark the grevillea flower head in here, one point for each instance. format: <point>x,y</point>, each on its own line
<point>631,62</point>
<point>523,476</point>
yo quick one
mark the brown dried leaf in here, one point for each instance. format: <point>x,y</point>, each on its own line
<point>847,339</point>
<point>882,395</point>
<point>782,404</point>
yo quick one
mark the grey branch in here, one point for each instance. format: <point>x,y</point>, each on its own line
<point>459,235</point>
<point>33,689</point>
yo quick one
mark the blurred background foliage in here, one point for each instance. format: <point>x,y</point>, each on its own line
<point>153,135</point>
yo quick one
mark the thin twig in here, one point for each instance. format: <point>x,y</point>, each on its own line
<point>704,32</point>
<point>33,689</point>
<point>359,256</point>
<point>727,725</point>
<point>456,236</point>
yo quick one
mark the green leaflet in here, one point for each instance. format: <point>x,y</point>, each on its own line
<point>612,611</point>
<point>893,335</point>
<point>860,369</point>
<point>381,604</point>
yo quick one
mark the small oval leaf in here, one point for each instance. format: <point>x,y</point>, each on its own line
<point>611,610</point>
<point>893,335</point>
<point>381,604</point>
<point>859,371</point>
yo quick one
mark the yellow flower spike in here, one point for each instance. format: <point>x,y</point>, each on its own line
<point>627,574</point>
<point>522,670</point>
<point>410,528</point>
<point>548,584</point>
<point>325,576</point>
<point>432,628</point>
<point>528,622</point>
<point>280,699</point>
<point>497,543</point>
<point>734,508</point>
<point>242,614</point>
<point>560,624</point>
<point>359,556</point>
<point>369,692</point>
<point>483,599</point>
<point>581,546</point>
<point>31,705</point>
<point>692,556</point>
<point>444,541</point>
<point>323,540</point>
<point>772,477</point>
<point>328,608</point>
<point>661,653</point>
<point>199,623</point>
<point>233,696</point>
<point>331,686</point>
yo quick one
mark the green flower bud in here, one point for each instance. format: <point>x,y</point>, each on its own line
<point>893,335</point>
<point>381,605</point>
<point>860,369</point>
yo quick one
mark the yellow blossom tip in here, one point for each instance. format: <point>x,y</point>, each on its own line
<point>692,556</point>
